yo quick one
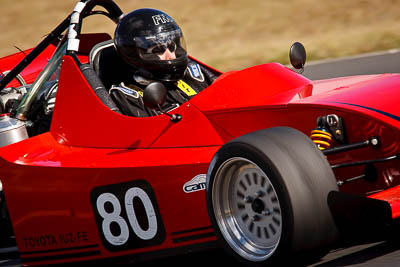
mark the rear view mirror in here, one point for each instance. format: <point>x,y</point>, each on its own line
<point>155,95</point>
<point>297,56</point>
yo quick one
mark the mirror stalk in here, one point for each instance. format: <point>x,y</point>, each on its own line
<point>173,117</point>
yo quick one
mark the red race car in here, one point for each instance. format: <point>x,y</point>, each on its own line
<point>263,162</point>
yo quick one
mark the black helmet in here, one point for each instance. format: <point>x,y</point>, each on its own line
<point>143,35</point>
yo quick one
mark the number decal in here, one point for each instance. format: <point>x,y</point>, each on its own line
<point>151,216</point>
<point>113,216</point>
<point>127,215</point>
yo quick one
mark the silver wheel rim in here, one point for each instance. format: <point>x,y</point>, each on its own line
<point>247,209</point>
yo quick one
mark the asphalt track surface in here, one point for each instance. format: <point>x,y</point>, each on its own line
<point>372,254</point>
<point>372,63</point>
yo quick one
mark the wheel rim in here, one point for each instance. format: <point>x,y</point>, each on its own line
<point>247,209</point>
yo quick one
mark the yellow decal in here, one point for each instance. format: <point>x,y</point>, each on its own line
<point>185,88</point>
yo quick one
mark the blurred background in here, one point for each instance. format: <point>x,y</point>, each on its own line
<point>232,34</point>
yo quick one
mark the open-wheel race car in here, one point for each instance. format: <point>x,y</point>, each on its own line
<point>263,162</point>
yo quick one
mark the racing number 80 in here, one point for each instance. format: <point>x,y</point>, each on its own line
<point>114,213</point>
<point>114,216</point>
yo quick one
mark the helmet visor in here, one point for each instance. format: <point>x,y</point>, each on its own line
<point>163,46</point>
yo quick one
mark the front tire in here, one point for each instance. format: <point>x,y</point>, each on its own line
<point>267,196</point>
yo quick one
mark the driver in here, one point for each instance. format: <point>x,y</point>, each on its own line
<point>152,45</point>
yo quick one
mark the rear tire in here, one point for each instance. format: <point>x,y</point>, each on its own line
<point>267,196</point>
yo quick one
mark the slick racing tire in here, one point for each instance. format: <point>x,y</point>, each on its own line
<point>267,196</point>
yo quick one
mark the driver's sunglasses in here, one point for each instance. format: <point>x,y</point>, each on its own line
<point>159,49</point>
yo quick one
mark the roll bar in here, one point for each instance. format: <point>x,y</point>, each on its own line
<point>73,22</point>
<point>83,9</point>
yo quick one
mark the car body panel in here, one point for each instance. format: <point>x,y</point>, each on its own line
<point>91,151</point>
<point>251,88</point>
<point>374,94</point>
<point>100,127</point>
<point>102,185</point>
<point>70,176</point>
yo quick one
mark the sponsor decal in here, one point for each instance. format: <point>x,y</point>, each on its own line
<point>127,91</point>
<point>196,184</point>
<point>161,18</point>
<point>184,87</point>
<point>195,72</point>
<point>49,240</point>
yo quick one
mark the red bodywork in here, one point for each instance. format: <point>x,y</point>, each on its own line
<point>57,183</point>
